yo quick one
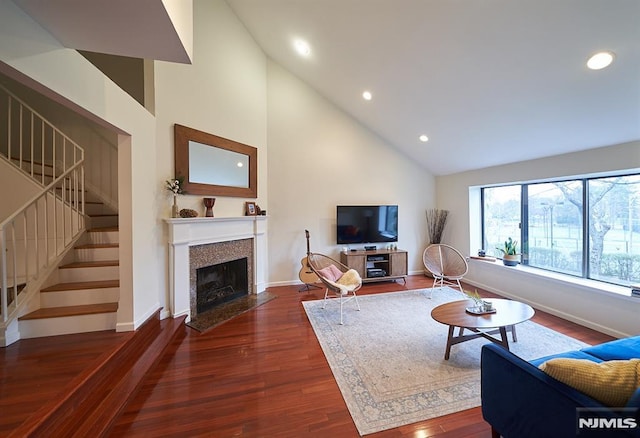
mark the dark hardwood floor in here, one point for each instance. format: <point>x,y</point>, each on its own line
<point>261,374</point>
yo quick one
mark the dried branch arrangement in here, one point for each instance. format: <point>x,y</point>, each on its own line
<point>436,220</point>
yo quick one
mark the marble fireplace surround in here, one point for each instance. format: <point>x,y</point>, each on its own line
<point>190,242</point>
<point>202,256</point>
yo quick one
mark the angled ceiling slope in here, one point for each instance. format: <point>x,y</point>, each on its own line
<point>489,82</point>
<point>149,29</point>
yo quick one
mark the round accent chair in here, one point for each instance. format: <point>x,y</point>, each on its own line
<point>342,281</point>
<point>446,264</point>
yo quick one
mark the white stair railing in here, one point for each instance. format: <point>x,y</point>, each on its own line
<point>34,236</point>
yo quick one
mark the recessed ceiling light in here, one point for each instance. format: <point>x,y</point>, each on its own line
<point>367,95</point>
<point>424,138</point>
<point>302,47</point>
<point>600,60</point>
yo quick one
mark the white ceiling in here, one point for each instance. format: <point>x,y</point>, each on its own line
<point>489,81</point>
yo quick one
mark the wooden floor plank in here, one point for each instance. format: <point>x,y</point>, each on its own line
<point>261,374</point>
<point>34,371</point>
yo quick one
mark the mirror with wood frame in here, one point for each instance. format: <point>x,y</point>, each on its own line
<point>215,166</point>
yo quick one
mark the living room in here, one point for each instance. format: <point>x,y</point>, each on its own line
<point>312,156</point>
<point>291,124</point>
<point>268,107</point>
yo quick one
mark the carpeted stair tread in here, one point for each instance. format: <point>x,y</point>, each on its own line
<point>81,285</point>
<point>96,264</point>
<point>58,312</point>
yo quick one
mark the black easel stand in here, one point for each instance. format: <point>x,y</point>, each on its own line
<point>307,287</point>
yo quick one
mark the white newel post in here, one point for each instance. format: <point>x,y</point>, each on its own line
<point>187,232</point>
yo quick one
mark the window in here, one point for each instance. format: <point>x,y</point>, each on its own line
<point>614,229</point>
<point>555,226</point>
<point>586,227</point>
<point>501,208</point>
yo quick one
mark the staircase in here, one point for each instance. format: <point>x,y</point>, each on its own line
<point>85,291</point>
<point>59,267</point>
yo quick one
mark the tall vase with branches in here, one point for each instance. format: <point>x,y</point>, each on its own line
<point>436,221</point>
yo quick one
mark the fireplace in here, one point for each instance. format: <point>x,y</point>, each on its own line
<point>195,243</point>
<point>220,283</point>
<point>227,270</point>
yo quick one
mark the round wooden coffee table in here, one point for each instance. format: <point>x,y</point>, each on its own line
<point>508,314</point>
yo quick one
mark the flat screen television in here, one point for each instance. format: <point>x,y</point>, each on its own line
<point>366,224</point>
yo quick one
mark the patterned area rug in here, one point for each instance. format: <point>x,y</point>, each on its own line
<point>388,359</point>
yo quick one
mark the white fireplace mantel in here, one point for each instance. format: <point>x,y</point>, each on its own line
<point>186,232</point>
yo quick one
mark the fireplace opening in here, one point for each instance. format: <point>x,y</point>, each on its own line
<point>220,283</point>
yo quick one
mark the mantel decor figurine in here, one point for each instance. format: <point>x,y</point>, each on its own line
<point>187,212</point>
<point>209,203</point>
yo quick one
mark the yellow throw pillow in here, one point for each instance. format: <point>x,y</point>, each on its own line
<point>612,383</point>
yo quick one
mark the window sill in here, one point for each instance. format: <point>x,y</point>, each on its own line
<point>582,283</point>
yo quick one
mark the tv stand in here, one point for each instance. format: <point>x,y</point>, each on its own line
<point>377,265</point>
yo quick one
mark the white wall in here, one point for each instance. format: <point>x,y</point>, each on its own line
<point>98,142</point>
<point>317,157</point>
<point>19,194</point>
<point>223,93</point>
<point>64,75</point>
<point>320,157</point>
<point>583,302</point>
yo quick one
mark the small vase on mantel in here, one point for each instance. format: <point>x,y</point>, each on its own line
<point>175,211</point>
<point>208,203</point>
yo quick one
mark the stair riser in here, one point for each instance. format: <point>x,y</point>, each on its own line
<point>79,297</point>
<point>71,275</point>
<point>103,221</point>
<point>96,254</point>
<point>36,328</point>
<point>91,208</point>
<point>37,168</point>
<point>103,237</point>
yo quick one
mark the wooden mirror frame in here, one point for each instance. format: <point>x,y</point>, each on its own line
<point>182,136</point>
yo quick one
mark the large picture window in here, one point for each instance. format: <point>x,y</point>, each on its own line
<point>554,232</point>
<point>586,227</point>
<point>501,218</point>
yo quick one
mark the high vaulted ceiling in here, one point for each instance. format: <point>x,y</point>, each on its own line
<point>488,81</point>
<point>152,29</point>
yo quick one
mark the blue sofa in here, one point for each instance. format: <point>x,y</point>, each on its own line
<point>521,401</point>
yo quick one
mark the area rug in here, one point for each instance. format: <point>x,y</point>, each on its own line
<point>212,318</point>
<point>388,358</point>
